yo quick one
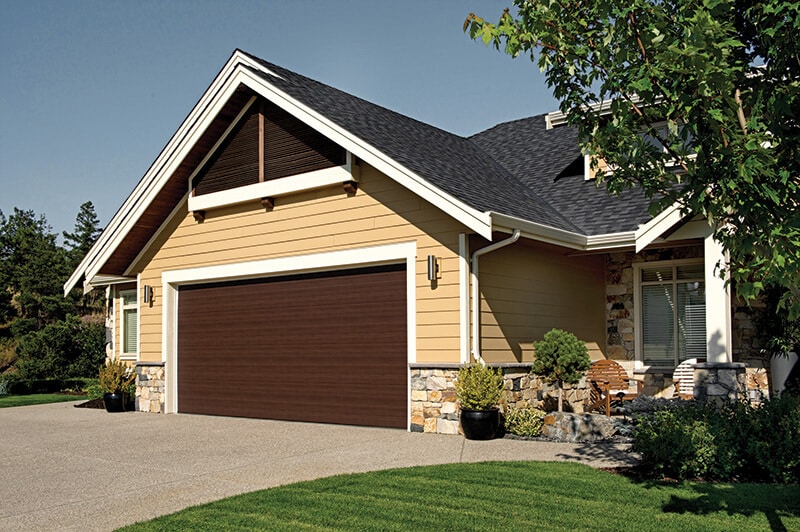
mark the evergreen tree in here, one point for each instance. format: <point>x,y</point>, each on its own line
<point>32,269</point>
<point>83,237</point>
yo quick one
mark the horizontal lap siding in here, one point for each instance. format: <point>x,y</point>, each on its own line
<point>382,212</point>
<point>529,288</point>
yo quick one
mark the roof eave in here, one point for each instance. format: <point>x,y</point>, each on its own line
<point>240,68</point>
<point>638,239</point>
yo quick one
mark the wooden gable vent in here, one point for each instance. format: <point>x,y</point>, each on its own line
<point>268,143</point>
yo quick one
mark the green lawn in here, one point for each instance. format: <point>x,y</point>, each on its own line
<point>495,496</point>
<point>7,401</point>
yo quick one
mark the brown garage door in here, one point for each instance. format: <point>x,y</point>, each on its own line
<point>327,347</point>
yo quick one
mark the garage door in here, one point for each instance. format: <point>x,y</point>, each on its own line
<point>327,347</point>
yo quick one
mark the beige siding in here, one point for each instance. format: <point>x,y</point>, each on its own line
<point>381,212</point>
<point>529,288</point>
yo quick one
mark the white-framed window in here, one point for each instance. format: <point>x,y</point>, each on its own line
<point>129,317</point>
<point>671,312</point>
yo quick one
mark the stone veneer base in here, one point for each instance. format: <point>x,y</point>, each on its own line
<point>150,394</point>
<point>433,394</point>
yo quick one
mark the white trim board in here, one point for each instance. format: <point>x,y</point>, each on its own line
<point>404,252</point>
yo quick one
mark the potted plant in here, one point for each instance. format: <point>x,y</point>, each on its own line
<point>478,390</point>
<point>116,378</point>
<point>560,358</point>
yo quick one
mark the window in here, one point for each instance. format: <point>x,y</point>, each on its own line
<point>130,322</point>
<point>672,312</point>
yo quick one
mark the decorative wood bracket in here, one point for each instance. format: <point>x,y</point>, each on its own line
<point>350,187</point>
<point>268,203</point>
<point>199,216</point>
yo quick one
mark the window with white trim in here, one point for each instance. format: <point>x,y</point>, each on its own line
<point>672,312</point>
<point>129,309</point>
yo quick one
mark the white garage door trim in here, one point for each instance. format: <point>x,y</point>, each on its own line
<point>315,262</point>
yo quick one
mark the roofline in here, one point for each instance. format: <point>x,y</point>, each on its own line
<point>476,220</point>
<point>240,68</point>
<point>639,239</point>
<point>559,118</point>
<point>150,184</point>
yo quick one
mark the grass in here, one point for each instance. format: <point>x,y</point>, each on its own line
<point>8,401</point>
<point>495,496</point>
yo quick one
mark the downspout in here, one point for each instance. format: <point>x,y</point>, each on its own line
<point>476,299</point>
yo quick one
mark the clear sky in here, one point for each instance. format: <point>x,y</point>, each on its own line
<point>91,91</point>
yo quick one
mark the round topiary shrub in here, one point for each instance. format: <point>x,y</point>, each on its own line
<point>560,358</point>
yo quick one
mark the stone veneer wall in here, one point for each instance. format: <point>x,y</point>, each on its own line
<point>433,395</point>
<point>150,387</point>
<point>620,341</point>
<point>620,322</point>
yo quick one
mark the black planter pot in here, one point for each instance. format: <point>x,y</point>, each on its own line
<point>114,402</point>
<point>480,424</point>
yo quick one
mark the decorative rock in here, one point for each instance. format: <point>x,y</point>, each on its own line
<point>564,426</point>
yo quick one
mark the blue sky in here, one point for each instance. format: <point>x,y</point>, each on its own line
<point>90,91</point>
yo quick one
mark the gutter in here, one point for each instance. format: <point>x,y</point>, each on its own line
<point>476,299</point>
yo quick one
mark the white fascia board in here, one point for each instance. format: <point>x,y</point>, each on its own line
<point>560,237</point>
<point>649,232</point>
<point>558,118</point>
<point>106,280</point>
<point>478,221</point>
<point>201,115</point>
<point>540,232</point>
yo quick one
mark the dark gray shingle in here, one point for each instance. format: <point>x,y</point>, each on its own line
<point>509,169</point>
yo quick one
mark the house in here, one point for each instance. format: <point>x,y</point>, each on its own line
<point>296,252</point>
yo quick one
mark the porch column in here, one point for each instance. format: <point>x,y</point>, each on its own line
<point>718,305</point>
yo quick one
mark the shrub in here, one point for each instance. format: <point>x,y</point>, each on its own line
<point>526,422</point>
<point>116,376</point>
<point>560,358</point>
<point>478,387</point>
<point>675,443</point>
<point>62,350</point>
<point>94,391</point>
<point>740,442</point>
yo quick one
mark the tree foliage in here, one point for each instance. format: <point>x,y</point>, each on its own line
<point>83,237</point>
<point>33,267</point>
<point>43,334</point>
<point>560,358</point>
<point>697,102</point>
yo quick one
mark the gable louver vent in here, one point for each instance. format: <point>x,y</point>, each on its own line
<point>268,143</point>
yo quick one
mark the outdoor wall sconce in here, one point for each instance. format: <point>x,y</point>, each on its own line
<point>434,270</point>
<point>199,216</point>
<point>147,293</point>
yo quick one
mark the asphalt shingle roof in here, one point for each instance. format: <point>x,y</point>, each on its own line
<point>549,161</point>
<point>509,169</point>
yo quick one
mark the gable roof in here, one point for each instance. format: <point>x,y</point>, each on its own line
<point>509,176</point>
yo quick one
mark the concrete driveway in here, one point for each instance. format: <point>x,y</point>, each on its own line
<point>66,468</point>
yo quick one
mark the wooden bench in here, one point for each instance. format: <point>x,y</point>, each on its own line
<point>608,379</point>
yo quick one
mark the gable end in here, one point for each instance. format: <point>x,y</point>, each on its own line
<point>266,144</point>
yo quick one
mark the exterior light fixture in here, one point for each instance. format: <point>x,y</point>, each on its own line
<point>434,272</point>
<point>147,293</point>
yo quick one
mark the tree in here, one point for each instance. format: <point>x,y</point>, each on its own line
<point>32,268</point>
<point>80,241</point>
<point>560,358</point>
<point>697,102</point>
<point>87,229</point>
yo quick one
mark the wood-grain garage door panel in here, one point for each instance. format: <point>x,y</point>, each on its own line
<point>326,348</point>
